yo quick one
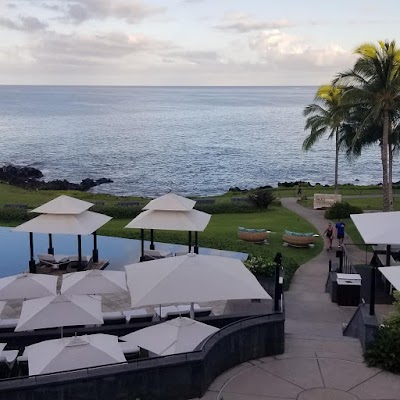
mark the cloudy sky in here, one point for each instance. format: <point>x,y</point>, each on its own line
<point>187,42</point>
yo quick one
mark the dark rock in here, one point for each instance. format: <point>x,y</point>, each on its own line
<point>29,178</point>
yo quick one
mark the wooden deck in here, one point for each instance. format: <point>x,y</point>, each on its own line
<point>45,269</point>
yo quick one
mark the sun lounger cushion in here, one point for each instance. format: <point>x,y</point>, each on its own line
<point>137,315</point>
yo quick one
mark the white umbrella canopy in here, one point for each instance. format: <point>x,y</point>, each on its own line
<point>193,220</point>
<point>191,278</point>
<point>59,311</point>
<point>392,274</point>
<point>178,335</point>
<point>27,286</point>
<point>170,202</point>
<point>74,353</point>
<point>74,224</point>
<point>379,227</point>
<point>2,305</point>
<point>94,282</point>
<point>63,205</point>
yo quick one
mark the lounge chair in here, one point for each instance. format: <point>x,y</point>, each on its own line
<point>114,318</point>
<point>131,352</point>
<point>198,311</point>
<point>137,315</point>
<point>156,254</point>
<point>56,262</point>
<point>86,261</point>
<point>167,310</point>
<point>8,325</point>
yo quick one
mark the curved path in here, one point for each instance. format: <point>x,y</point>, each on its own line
<point>318,363</point>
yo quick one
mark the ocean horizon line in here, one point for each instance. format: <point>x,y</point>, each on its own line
<point>158,86</point>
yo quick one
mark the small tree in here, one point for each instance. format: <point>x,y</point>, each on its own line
<point>262,198</point>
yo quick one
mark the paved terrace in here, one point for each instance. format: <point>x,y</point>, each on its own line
<point>318,363</point>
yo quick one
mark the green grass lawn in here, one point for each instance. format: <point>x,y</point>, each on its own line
<point>221,233</point>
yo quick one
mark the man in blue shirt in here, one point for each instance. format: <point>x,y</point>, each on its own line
<point>340,231</point>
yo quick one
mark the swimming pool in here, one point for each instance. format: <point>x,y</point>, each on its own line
<point>14,249</point>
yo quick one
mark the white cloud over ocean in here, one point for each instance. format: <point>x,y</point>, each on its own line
<point>188,42</point>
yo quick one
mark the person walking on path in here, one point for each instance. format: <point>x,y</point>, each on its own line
<point>340,225</point>
<point>299,190</point>
<point>329,236</point>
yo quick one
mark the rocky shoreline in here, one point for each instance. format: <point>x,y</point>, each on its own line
<point>31,178</point>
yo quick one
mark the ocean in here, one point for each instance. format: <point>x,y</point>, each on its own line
<point>188,140</point>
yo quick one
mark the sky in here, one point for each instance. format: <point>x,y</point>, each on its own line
<point>187,42</point>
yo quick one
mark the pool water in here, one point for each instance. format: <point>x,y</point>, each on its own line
<point>14,249</point>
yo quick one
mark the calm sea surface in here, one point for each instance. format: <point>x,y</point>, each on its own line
<point>150,140</point>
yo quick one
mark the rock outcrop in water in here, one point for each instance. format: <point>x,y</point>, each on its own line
<point>30,178</point>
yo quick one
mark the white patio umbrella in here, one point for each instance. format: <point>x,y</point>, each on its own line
<point>2,305</point>
<point>85,223</point>
<point>392,274</point>
<point>69,224</point>
<point>191,278</point>
<point>60,311</point>
<point>171,202</point>
<point>27,286</point>
<point>63,205</point>
<point>191,221</point>
<point>94,282</point>
<point>74,353</point>
<point>379,227</point>
<point>178,335</point>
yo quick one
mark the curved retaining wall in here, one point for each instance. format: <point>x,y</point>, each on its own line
<point>180,376</point>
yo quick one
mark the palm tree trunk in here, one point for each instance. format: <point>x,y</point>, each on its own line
<point>336,160</point>
<point>385,160</point>
<point>390,182</point>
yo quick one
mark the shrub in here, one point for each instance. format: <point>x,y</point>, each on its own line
<point>260,265</point>
<point>15,214</point>
<point>262,199</point>
<point>385,351</point>
<point>342,210</point>
<point>226,208</point>
<point>118,211</point>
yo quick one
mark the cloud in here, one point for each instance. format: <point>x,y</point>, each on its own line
<point>80,49</point>
<point>131,11</point>
<point>281,49</point>
<point>26,24</point>
<point>243,23</point>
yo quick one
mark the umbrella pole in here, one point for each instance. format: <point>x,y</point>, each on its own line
<point>62,332</point>
<point>160,312</point>
<point>151,239</point>
<point>191,311</point>
<point>95,254</point>
<point>32,264</point>
<point>388,254</point>
<point>196,242</point>
<point>79,251</point>
<point>50,250</point>
<point>190,241</point>
<point>142,244</point>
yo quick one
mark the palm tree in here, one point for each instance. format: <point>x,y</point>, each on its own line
<point>325,116</point>
<point>373,85</point>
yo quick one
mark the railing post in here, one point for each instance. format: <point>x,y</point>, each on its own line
<point>278,263</point>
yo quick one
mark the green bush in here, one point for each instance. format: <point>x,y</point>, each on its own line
<point>262,199</point>
<point>260,265</point>
<point>341,211</point>
<point>226,208</point>
<point>15,214</point>
<point>118,211</point>
<point>385,351</point>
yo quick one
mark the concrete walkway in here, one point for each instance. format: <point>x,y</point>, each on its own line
<point>318,363</point>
